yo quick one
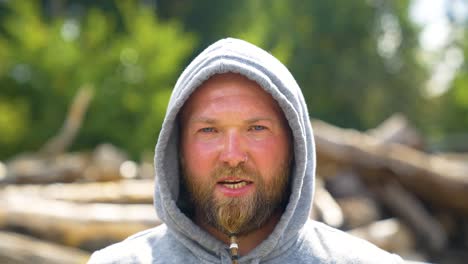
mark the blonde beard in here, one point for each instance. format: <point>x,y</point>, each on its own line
<point>239,216</point>
<point>234,215</point>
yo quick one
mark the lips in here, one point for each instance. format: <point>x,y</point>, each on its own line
<point>234,183</point>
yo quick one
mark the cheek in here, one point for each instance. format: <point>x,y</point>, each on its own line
<point>199,158</point>
<point>270,154</point>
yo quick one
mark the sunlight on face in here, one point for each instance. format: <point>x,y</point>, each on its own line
<point>235,153</point>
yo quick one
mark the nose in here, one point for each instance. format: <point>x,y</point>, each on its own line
<point>233,152</point>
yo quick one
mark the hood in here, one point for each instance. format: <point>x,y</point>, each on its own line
<point>237,56</point>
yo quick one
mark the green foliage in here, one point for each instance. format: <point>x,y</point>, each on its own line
<point>130,58</point>
<point>453,118</point>
<point>452,114</point>
<point>355,60</point>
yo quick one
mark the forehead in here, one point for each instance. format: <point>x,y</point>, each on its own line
<point>231,89</point>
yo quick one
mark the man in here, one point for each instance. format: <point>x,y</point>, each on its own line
<point>235,166</point>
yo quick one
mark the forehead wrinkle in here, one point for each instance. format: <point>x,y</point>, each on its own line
<point>208,120</point>
<point>258,119</point>
<point>203,120</point>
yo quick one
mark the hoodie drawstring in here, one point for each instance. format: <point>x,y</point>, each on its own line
<point>234,249</point>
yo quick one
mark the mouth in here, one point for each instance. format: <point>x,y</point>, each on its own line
<point>234,183</point>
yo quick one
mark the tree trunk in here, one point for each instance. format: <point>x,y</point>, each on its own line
<point>124,192</point>
<point>88,226</point>
<point>20,249</point>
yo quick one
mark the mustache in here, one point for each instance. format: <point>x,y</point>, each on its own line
<point>239,171</point>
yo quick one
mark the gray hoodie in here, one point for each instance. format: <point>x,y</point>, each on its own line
<point>295,239</point>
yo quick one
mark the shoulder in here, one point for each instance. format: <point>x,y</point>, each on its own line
<point>330,245</point>
<point>144,247</point>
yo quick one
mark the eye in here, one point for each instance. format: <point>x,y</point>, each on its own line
<point>207,130</point>
<point>257,128</point>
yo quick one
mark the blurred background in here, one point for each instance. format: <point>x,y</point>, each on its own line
<point>84,87</point>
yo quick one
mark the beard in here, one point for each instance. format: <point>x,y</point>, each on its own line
<point>238,215</point>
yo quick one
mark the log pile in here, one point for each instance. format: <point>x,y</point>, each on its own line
<point>379,185</point>
<point>393,193</point>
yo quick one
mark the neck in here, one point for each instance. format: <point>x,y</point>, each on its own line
<point>248,241</point>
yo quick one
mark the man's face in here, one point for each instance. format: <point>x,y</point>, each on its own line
<point>235,154</point>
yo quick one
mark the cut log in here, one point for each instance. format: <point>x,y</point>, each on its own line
<point>413,213</point>
<point>354,199</point>
<point>124,192</point>
<point>20,249</point>
<point>346,183</point>
<point>3,171</point>
<point>88,226</point>
<point>389,234</point>
<point>325,206</point>
<point>29,168</point>
<point>460,157</point>
<point>359,211</point>
<point>419,172</point>
<point>104,164</point>
<point>397,129</point>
